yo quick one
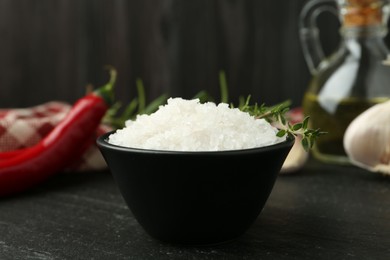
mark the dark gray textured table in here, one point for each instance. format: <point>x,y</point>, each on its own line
<point>321,212</point>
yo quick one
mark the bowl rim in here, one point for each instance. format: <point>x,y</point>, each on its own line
<point>102,142</point>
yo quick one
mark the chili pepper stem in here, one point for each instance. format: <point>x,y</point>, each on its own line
<point>106,91</point>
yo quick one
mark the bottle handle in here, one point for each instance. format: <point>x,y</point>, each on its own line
<point>309,32</point>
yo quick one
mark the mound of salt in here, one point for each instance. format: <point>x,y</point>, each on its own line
<point>188,125</point>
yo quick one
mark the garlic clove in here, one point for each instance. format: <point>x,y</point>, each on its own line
<point>296,158</point>
<point>367,139</point>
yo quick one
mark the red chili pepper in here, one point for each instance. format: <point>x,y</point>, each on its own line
<point>67,141</point>
<point>9,154</point>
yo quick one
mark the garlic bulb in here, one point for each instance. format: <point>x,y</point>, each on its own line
<point>367,139</point>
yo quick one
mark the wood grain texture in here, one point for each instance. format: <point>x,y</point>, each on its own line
<point>51,49</point>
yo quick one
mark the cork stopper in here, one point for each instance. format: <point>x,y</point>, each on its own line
<point>362,12</point>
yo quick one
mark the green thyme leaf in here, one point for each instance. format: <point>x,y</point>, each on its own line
<point>297,126</point>
<point>281,133</point>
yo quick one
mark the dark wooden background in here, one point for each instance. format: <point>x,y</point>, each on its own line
<point>51,49</point>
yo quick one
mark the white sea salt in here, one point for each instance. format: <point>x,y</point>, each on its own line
<point>188,125</point>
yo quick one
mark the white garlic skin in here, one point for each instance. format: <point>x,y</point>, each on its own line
<point>367,139</point>
<point>296,158</point>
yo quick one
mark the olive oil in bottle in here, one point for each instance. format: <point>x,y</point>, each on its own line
<point>350,80</point>
<point>329,147</point>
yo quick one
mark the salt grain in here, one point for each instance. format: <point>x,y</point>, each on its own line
<point>188,125</point>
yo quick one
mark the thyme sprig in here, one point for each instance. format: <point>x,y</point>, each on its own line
<point>117,118</point>
<point>117,115</point>
<point>276,115</point>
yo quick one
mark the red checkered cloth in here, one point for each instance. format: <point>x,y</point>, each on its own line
<point>24,127</point>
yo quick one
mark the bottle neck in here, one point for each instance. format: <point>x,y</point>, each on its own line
<point>366,41</point>
<point>369,32</point>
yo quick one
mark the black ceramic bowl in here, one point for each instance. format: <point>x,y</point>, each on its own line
<point>195,197</point>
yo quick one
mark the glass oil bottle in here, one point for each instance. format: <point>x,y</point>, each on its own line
<point>350,80</point>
